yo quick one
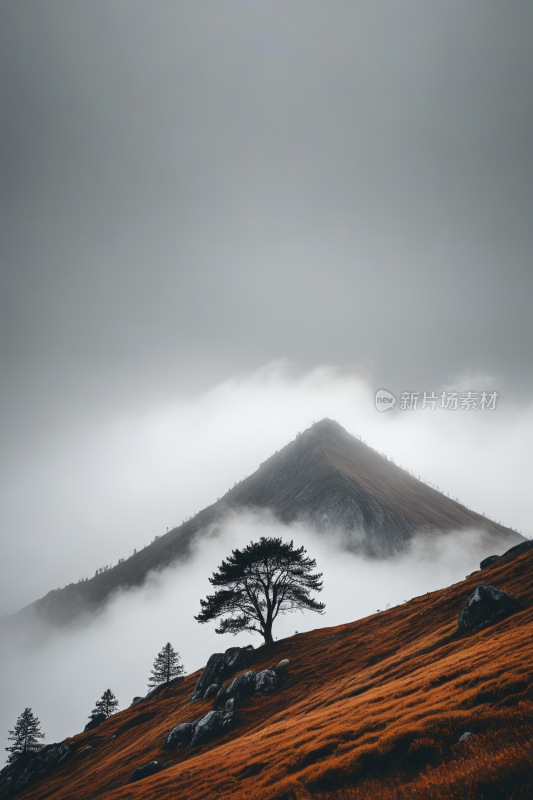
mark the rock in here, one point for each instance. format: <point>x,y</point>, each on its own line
<point>145,770</point>
<point>162,686</point>
<point>267,681</point>
<point>221,698</point>
<point>236,658</point>
<point>486,606</point>
<point>227,722</point>
<point>87,751</point>
<point>466,736</point>
<point>212,691</point>
<point>208,727</point>
<point>213,672</point>
<point>488,561</point>
<point>221,666</point>
<point>18,775</point>
<point>94,722</point>
<point>136,700</point>
<point>230,706</point>
<point>242,687</point>
<point>283,664</point>
<point>180,736</point>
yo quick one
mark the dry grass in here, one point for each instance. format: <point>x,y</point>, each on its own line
<point>371,709</point>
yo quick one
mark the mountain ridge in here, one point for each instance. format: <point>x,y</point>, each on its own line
<point>326,478</point>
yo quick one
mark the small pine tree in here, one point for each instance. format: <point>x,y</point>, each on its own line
<point>166,667</point>
<point>107,705</point>
<point>25,736</point>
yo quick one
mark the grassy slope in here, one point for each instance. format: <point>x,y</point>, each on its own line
<point>376,705</point>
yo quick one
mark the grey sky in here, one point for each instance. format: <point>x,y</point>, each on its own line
<point>191,190</point>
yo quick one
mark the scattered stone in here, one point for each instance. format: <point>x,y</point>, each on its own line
<point>146,770</point>
<point>488,561</point>
<point>208,727</point>
<point>110,738</point>
<point>267,681</point>
<point>242,687</point>
<point>180,736</point>
<point>94,722</point>
<point>486,606</point>
<point>212,691</point>
<point>467,735</point>
<point>87,751</point>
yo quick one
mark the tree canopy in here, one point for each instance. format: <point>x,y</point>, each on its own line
<point>254,585</point>
<point>166,666</point>
<point>107,705</point>
<point>25,736</point>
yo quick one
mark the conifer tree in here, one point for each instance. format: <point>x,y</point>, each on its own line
<point>166,667</point>
<point>107,705</point>
<point>25,736</point>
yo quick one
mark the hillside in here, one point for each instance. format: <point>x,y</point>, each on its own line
<point>325,477</point>
<point>373,708</point>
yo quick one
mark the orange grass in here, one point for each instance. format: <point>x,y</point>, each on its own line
<point>371,709</point>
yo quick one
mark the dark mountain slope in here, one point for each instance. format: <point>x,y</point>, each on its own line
<point>325,477</point>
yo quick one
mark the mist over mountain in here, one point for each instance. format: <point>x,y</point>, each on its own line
<point>325,478</point>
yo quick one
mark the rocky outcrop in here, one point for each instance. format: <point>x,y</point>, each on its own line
<point>94,722</point>
<point>242,687</point>
<point>513,552</point>
<point>221,666</point>
<point>486,606</point>
<point>27,770</point>
<point>145,770</point>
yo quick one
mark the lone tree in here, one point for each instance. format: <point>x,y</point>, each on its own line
<point>107,705</point>
<point>166,667</point>
<point>266,578</point>
<point>25,736</point>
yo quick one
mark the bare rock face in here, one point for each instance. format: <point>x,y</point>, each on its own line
<point>486,606</point>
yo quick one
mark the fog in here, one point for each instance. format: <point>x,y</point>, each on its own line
<point>61,674</point>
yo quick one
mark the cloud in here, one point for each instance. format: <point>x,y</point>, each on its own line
<point>84,500</point>
<point>61,673</point>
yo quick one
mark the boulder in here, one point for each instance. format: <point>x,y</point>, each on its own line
<point>180,736</point>
<point>94,722</point>
<point>145,770</point>
<point>236,658</point>
<point>466,736</point>
<point>267,681</point>
<point>208,727</point>
<point>229,707</point>
<point>242,687</point>
<point>213,672</point>
<point>136,700</point>
<point>221,666</point>
<point>486,606</point>
<point>488,561</point>
<point>221,698</point>
<point>283,664</point>
<point>212,691</point>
